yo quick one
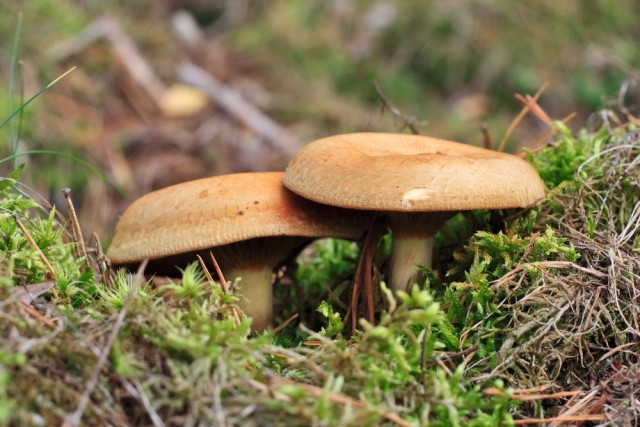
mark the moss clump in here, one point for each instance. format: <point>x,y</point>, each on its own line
<point>537,300</point>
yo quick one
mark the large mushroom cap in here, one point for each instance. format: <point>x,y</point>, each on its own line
<point>410,173</point>
<point>216,211</point>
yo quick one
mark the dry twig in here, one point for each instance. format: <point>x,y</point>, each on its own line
<point>239,107</point>
<point>124,46</point>
<point>410,121</point>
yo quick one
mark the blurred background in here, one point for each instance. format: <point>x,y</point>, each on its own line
<point>168,91</point>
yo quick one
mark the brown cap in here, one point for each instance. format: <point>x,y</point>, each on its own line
<point>216,211</point>
<point>410,173</point>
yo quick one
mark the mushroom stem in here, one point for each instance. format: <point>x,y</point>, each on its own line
<point>412,245</point>
<point>407,253</point>
<point>256,294</point>
<point>254,260</point>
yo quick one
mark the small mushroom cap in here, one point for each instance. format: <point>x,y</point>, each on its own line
<point>216,211</point>
<point>410,173</point>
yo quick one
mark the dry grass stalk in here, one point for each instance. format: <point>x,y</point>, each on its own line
<point>222,281</point>
<point>285,323</point>
<point>363,277</point>
<point>225,286</point>
<point>519,395</point>
<point>516,121</point>
<point>563,420</point>
<point>102,262</point>
<point>36,314</point>
<point>76,231</point>
<point>34,245</point>
<point>537,142</point>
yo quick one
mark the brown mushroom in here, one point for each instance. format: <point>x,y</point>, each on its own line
<point>418,182</point>
<point>249,221</point>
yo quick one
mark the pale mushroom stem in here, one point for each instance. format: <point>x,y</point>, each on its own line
<point>412,245</point>
<point>254,260</point>
<point>256,294</point>
<point>407,253</point>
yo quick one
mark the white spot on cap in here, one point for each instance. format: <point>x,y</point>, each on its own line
<point>416,195</point>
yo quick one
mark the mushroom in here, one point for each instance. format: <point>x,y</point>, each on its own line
<point>417,181</point>
<point>249,221</point>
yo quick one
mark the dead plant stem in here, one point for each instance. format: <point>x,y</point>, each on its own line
<point>35,246</point>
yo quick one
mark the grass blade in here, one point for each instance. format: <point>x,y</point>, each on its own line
<point>40,92</point>
<point>13,68</point>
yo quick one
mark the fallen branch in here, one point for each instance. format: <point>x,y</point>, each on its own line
<point>235,104</point>
<point>125,48</point>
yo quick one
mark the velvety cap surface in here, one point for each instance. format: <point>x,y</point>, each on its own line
<point>397,172</point>
<point>224,209</point>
